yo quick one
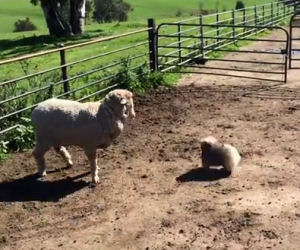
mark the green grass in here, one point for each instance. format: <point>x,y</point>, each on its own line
<point>12,10</point>
<point>17,43</point>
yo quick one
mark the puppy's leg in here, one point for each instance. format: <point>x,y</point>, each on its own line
<point>205,163</point>
<point>65,155</point>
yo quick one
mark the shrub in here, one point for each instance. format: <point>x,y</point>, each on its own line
<point>24,25</point>
<point>111,10</point>
<point>239,5</point>
<point>179,13</point>
<point>139,79</point>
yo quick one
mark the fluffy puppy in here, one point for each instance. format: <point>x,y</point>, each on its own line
<point>215,153</point>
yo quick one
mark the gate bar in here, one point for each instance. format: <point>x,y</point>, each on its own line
<point>283,52</point>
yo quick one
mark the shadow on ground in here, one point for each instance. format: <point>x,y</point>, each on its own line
<point>31,188</point>
<point>201,174</point>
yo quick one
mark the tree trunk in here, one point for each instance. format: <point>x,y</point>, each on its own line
<point>56,24</point>
<point>77,15</point>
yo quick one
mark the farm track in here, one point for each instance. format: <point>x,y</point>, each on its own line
<point>153,193</point>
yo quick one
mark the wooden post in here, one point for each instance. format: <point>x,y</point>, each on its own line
<point>255,18</point>
<point>218,28</point>
<point>244,19</point>
<point>201,36</point>
<point>272,13</point>
<point>233,25</point>
<point>263,14</point>
<point>152,37</point>
<point>179,41</point>
<point>64,69</point>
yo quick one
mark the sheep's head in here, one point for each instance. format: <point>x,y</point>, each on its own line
<point>123,100</point>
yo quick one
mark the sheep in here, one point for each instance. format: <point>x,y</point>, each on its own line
<point>90,125</point>
<point>216,154</point>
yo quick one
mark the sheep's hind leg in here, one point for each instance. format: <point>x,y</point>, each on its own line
<point>38,153</point>
<point>91,155</point>
<point>65,155</point>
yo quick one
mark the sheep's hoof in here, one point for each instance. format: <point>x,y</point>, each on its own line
<point>96,179</point>
<point>69,164</point>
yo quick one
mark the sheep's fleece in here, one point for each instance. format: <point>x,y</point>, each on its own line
<point>89,125</point>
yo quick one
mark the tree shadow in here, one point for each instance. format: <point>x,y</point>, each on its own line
<point>31,188</point>
<point>201,174</point>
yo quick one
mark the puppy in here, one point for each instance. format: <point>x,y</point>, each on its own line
<point>215,153</point>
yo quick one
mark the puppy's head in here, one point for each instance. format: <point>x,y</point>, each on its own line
<point>124,99</point>
<point>208,142</point>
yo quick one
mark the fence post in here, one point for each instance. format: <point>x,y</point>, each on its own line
<point>272,14</point>
<point>64,69</point>
<point>218,28</point>
<point>152,37</point>
<point>277,9</point>
<point>255,18</point>
<point>233,25</point>
<point>244,19</point>
<point>201,36</point>
<point>179,41</point>
<point>263,15</point>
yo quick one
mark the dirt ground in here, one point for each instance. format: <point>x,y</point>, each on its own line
<point>153,193</point>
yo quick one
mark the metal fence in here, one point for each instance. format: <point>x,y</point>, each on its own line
<point>202,40</point>
<point>294,51</point>
<point>88,69</point>
<point>78,79</point>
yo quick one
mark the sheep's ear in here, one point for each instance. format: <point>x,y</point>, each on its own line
<point>123,101</point>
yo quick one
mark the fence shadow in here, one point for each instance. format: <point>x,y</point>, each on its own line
<point>201,174</point>
<point>30,188</point>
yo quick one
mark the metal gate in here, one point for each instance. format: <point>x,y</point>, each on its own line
<point>189,48</point>
<point>294,49</point>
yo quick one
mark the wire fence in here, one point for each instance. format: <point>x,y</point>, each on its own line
<point>87,70</point>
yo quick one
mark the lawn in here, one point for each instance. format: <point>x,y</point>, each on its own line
<point>13,10</point>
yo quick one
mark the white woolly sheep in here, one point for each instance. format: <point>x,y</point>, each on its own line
<point>88,125</point>
<point>216,154</point>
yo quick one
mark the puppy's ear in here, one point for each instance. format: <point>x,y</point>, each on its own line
<point>123,101</point>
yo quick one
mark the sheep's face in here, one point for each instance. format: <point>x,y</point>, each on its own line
<point>124,99</point>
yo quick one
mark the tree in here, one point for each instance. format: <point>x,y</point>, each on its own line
<point>111,10</point>
<point>63,17</point>
<point>239,5</point>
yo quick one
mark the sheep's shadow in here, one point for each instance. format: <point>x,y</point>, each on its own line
<point>202,174</point>
<point>31,188</point>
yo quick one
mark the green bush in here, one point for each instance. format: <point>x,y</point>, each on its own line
<point>24,25</point>
<point>111,10</point>
<point>239,5</point>
<point>139,79</point>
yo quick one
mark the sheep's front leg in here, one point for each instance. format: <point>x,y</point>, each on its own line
<point>91,155</point>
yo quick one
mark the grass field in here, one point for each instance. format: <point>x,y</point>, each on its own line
<point>12,10</point>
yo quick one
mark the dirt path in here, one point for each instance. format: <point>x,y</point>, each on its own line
<point>153,193</point>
